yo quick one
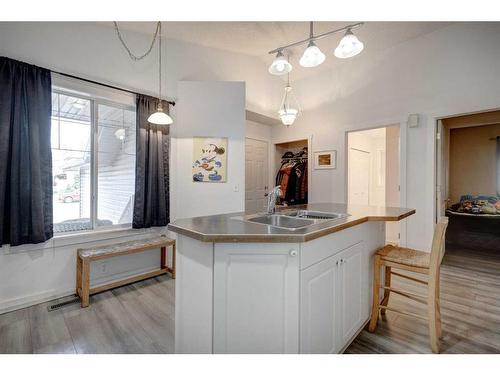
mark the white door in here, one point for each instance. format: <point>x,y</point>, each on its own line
<point>358,177</point>
<point>319,328</point>
<point>256,174</point>
<point>256,298</point>
<point>353,291</point>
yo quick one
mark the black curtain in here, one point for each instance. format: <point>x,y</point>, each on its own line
<point>151,202</point>
<point>25,154</point>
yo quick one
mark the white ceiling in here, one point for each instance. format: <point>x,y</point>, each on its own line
<point>257,38</point>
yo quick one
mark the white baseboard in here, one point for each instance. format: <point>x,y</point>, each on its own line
<point>37,298</point>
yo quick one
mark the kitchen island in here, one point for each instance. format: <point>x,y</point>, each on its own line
<point>244,286</point>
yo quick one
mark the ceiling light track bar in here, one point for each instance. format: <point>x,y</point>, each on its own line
<point>317,37</point>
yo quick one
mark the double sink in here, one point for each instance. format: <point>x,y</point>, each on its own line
<point>294,219</point>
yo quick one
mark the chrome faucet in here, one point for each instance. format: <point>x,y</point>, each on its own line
<point>271,199</point>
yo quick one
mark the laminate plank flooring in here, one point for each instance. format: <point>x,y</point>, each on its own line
<point>470,310</point>
<point>139,318</point>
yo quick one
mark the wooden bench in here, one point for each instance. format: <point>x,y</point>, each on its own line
<point>88,255</point>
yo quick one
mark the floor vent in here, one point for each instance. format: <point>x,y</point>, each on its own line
<point>60,305</point>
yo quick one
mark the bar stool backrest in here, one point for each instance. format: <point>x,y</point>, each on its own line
<point>438,244</point>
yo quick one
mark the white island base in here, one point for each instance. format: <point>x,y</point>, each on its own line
<point>308,297</point>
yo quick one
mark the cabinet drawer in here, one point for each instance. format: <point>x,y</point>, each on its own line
<point>321,248</point>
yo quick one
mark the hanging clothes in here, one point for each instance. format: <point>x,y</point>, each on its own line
<point>292,178</point>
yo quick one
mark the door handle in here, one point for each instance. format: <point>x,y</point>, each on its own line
<point>293,253</point>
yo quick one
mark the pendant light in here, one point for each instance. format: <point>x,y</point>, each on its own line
<point>160,117</point>
<point>287,112</point>
<point>280,65</point>
<point>312,55</point>
<point>349,46</point>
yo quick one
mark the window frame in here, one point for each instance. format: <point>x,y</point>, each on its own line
<point>97,96</point>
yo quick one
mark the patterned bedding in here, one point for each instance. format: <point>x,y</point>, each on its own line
<point>477,204</point>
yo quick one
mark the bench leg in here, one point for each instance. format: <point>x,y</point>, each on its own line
<point>163,252</point>
<point>85,283</point>
<point>78,275</point>
<point>174,251</point>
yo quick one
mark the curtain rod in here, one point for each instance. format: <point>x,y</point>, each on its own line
<point>104,84</point>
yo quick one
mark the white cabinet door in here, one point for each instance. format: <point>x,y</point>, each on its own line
<point>256,298</point>
<point>319,328</point>
<point>352,291</point>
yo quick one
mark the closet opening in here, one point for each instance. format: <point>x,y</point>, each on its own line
<point>291,162</point>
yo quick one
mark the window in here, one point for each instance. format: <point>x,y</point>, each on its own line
<point>93,162</point>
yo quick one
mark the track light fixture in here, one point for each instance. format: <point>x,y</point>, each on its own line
<point>349,46</point>
<point>312,55</point>
<point>280,65</point>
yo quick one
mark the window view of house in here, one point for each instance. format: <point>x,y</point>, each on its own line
<point>72,163</point>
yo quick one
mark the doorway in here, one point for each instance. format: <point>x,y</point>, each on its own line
<point>256,174</point>
<point>468,180</point>
<point>373,159</point>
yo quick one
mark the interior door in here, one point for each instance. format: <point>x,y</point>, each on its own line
<point>256,174</point>
<point>358,177</point>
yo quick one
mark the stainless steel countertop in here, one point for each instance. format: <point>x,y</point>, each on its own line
<point>227,228</point>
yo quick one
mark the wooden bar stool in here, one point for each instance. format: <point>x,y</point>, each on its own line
<point>391,257</point>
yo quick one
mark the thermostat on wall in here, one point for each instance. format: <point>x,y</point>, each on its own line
<point>413,120</point>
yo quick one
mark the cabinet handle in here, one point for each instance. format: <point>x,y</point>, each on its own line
<point>337,263</point>
<point>293,253</point>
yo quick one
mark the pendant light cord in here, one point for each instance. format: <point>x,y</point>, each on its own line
<point>132,55</point>
<point>159,65</point>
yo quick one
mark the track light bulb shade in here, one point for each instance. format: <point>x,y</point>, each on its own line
<point>280,65</point>
<point>349,46</point>
<point>312,56</point>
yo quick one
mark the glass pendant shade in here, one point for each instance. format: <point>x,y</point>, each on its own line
<point>312,56</point>
<point>160,117</point>
<point>280,65</point>
<point>288,116</point>
<point>287,112</point>
<point>349,46</point>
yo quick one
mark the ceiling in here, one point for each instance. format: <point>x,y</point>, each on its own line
<point>257,38</point>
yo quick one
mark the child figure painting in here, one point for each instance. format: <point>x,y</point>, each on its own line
<point>210,159</point>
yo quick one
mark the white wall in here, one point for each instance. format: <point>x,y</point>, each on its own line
<point>34,273</point>
<point>452,70</point>
<point>211,109</point>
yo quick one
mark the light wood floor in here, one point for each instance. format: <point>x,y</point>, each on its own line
<point>139,318</point>
<point>470,310</point>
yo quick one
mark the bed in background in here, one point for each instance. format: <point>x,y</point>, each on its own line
<point>474,223</point>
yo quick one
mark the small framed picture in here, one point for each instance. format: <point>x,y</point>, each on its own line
<point>325,159</point>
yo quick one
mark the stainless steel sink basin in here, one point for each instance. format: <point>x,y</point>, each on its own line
<point>292,219</point>
<point>281,221</point>
<point>316,215</point>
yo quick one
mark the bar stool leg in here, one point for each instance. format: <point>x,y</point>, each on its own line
<point>387,283</point>
<point>376,293</point>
